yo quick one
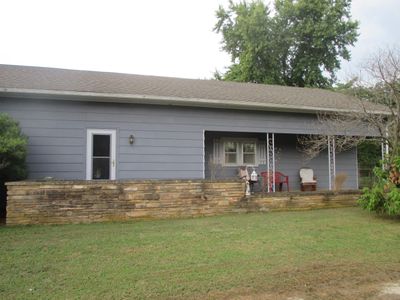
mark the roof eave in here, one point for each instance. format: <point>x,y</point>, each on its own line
<point>161,100</point>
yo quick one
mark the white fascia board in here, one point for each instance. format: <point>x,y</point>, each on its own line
<point>162,100</point>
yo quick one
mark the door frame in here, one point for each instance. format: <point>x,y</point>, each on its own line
<point>89,151</point>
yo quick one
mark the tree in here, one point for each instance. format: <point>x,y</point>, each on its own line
<point>379,113</point>
<point>300,44</point>
<point>12,149</point>
<point>12,155</point>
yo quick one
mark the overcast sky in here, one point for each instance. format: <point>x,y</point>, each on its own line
<point>166,38</point>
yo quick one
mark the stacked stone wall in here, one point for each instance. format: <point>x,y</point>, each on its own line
<point>60,202</point>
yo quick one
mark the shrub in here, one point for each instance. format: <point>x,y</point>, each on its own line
<point>12,155</point>
<point>13,146</point>
<point>384,196</point>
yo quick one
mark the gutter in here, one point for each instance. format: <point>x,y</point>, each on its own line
<point>162,100</point>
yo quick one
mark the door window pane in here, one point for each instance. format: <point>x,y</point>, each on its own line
<point>101,156</point>
<point>101,168</point>
<point>101,145</point>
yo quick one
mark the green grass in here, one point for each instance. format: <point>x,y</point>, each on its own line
<point>192,258</point>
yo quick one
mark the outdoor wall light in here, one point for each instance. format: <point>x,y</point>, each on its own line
<point>131,139</point>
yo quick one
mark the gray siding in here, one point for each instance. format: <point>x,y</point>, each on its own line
<point>290,160</point>
<point>168,139</point>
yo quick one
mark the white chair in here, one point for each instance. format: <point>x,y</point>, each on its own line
<point>307,179</point>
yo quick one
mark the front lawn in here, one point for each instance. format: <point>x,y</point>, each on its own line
<point>336,253</point>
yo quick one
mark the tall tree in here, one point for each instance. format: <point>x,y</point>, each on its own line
<point>298,43</point>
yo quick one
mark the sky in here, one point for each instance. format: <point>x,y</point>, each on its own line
<point>154,37</point>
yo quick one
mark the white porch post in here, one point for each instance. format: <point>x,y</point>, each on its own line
<point>331,161</point>
<point>385,152</point>
<point>271,160</point>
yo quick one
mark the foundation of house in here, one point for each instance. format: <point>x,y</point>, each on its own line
<point>61,202</point>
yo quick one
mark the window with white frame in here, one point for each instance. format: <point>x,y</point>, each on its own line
<point>249,153</point>
<point>240,152</point>
<point>231,152</point>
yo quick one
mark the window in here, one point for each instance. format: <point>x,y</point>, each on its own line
<point>239,152</point>
<point>231,153</point>
<point>249,153</point>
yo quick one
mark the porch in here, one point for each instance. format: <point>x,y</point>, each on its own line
<point>225,152</point>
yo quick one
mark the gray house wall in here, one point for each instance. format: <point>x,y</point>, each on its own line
<point>169,140</point>
<point>290,160</point>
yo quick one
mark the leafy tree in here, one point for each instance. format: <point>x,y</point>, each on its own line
<point>300,44</point>
<point>12,155</point>
<point>12,149</point>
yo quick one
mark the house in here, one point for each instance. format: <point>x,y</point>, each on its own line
<point>98,125</point>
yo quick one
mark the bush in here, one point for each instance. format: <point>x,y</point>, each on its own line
<point>13,146</point>
<point>13,150</point>
<point>384,196</point>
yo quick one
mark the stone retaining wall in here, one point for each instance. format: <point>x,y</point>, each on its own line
<point>301,200</point>
<point>89,201</point>
<point>58,202</point>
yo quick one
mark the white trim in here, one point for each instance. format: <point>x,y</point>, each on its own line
<point>268,164</point>
<point>89,146</point>
<point>357,169</point>
<point>204,154</point>
<point>334,157</point>
<point>164,100</point>
<point>385,153</point>
<point>386,142</point>
<point>331,161</point>
<point>329,164</point>
<point>273,162</point>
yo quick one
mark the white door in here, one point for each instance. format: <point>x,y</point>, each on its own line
<point>100,154</point>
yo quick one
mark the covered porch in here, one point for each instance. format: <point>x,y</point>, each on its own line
<point>225,152</point>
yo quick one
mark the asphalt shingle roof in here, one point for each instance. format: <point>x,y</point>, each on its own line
<point>257,95</point>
